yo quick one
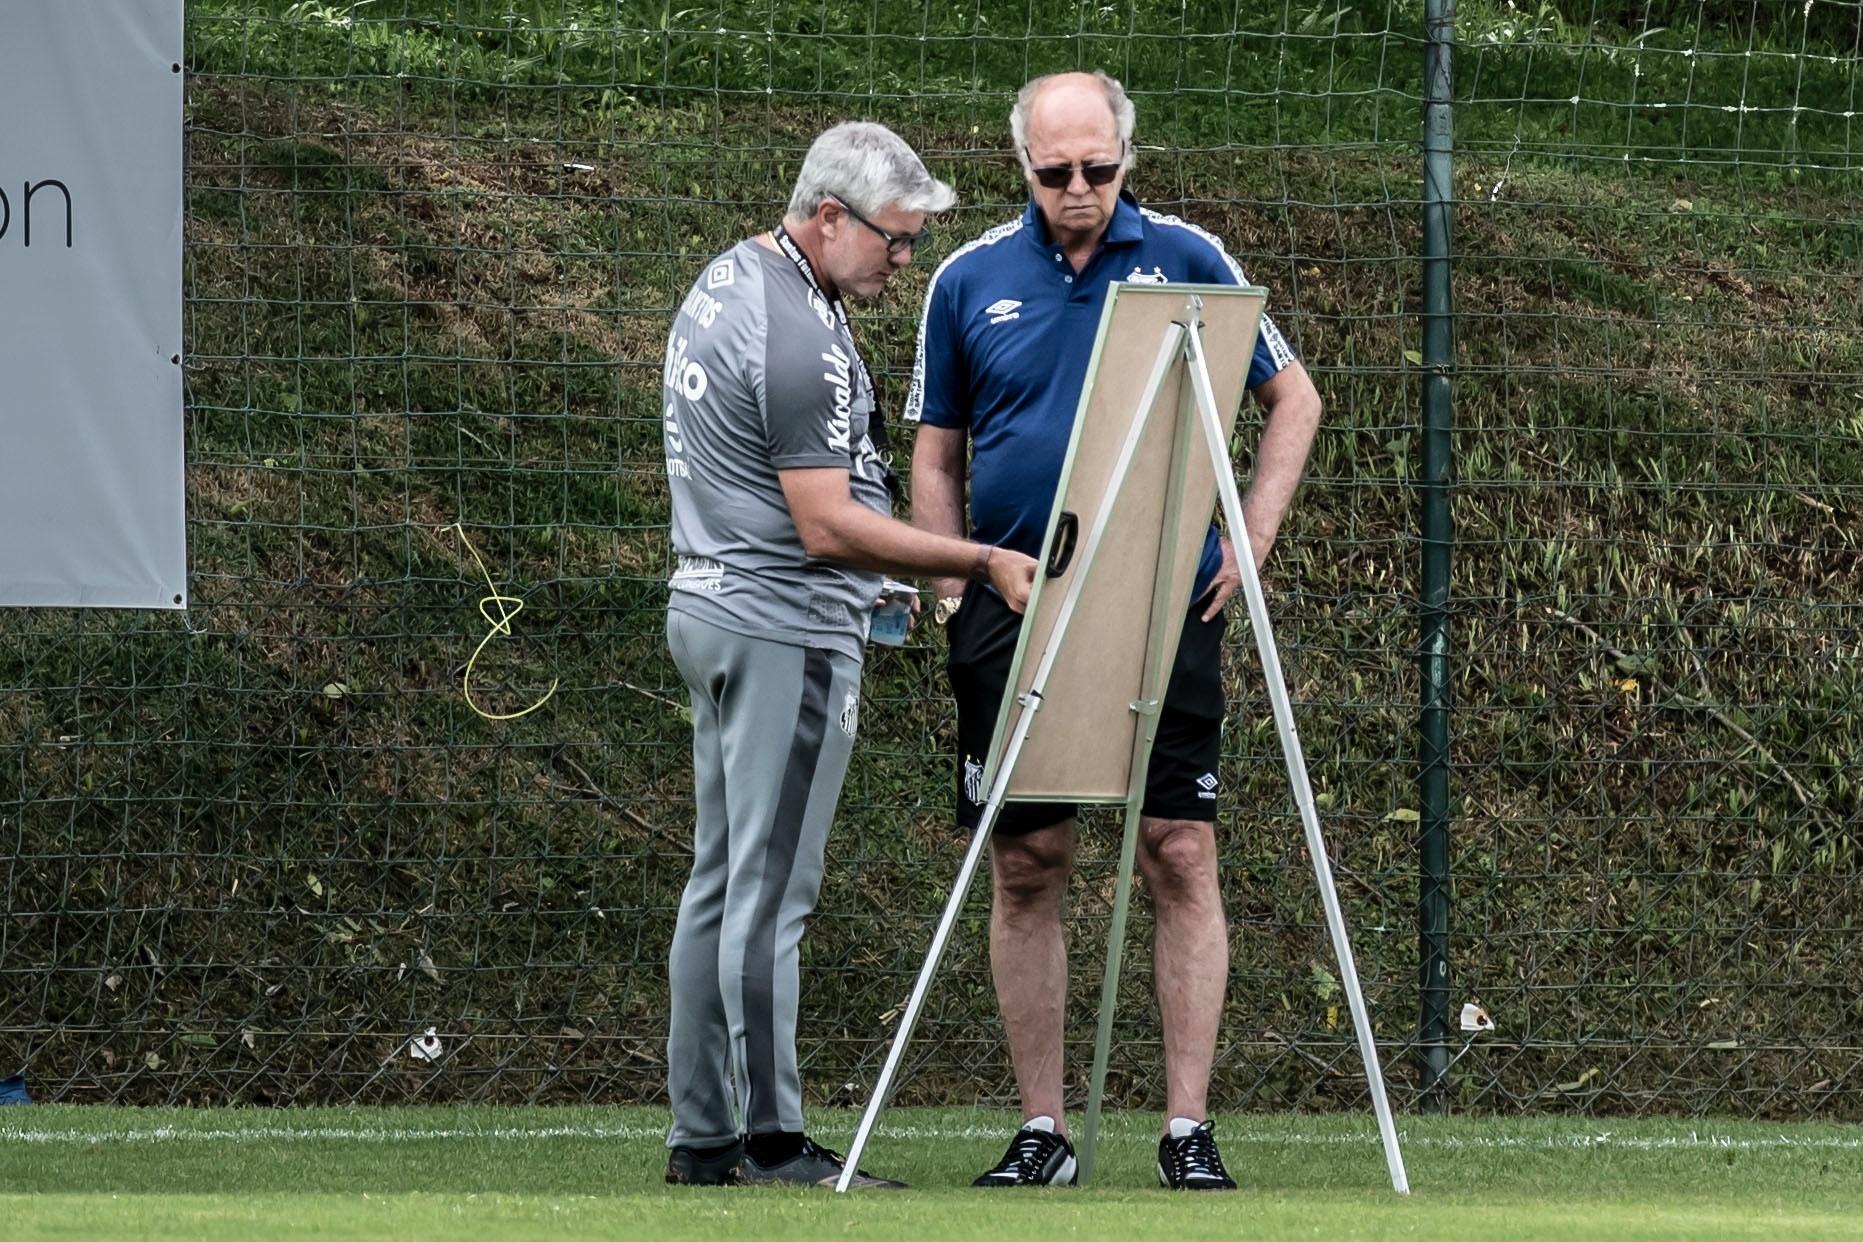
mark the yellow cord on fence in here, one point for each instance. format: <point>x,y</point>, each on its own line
<point>501,625</point>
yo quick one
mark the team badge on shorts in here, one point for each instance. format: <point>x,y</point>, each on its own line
<point>850,713</point>
<point>973,780</point>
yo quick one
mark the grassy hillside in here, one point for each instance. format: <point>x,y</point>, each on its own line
<point>432,255</point>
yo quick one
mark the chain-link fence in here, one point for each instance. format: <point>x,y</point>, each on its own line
<point>432,253</point>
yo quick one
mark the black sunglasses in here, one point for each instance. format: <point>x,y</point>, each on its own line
<point>896,243</point>
<point>1060,176</point>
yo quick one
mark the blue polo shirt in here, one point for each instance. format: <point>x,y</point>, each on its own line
<point>1004,344</point>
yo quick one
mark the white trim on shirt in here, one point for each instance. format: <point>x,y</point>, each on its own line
<point>915,394</point>
<point>1278,348</point>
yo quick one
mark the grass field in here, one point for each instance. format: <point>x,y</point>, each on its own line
<point>501,1173</point>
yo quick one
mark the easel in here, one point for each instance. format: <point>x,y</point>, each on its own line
<point>1180,365</point>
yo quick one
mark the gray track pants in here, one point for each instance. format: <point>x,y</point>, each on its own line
<point>772,729</point>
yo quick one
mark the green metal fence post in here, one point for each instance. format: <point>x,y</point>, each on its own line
<point>1433,747</point>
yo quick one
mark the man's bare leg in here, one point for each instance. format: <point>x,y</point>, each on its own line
<point>1190,957</point>
<point>1028,959</point>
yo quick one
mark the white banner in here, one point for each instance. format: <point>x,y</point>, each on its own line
<point>91,466</point>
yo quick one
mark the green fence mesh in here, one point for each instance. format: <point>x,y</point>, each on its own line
<point>254,853</point>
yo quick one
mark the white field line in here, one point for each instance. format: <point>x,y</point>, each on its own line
<point>1602,1139</point>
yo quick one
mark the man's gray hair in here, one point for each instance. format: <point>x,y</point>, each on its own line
<point>868,167</point>
<point>1124,114</point>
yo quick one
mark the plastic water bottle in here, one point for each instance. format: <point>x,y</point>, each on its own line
<point>892,617</point>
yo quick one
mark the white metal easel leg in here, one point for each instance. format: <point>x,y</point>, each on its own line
<point>1157,674</point>
<point>1296,761</point>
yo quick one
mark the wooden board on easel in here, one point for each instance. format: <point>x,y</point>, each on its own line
<point>1084,749</point>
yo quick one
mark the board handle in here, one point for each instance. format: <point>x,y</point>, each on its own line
<point>1061,551</point>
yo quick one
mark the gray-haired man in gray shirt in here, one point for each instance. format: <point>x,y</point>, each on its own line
<point>782,533</point>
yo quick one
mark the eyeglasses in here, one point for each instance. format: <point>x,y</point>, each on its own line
<point>1060,176</point>
<point>896,243</point>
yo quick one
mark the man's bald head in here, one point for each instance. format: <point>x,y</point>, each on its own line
<point>1073,134</point>
<point>1072,108</point>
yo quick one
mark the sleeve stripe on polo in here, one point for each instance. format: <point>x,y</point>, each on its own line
<point>1278,348</point>
<point>915,394</point>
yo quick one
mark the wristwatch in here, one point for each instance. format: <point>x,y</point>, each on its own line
<point>946,608</point>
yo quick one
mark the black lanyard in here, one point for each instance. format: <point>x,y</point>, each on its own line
<point>876,428</point>
<point>789,247</point>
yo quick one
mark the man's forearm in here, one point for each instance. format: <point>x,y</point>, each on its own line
<point>859,537</point>
<point>1280,461</point>
<point>938,502</point>
<point>938,508</point>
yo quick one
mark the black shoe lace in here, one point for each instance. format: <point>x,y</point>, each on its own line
<point>1195,1155</point>
<point>1027,1153</point>
<point>811,1148</point>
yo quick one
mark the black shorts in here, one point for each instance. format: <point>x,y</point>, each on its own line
<point>1181,781</point>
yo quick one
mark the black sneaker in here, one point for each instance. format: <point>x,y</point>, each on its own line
<point>711,1166</point>
<point>1037,1156</point>
<point>814,1165</point>
<point>1188,1159</point>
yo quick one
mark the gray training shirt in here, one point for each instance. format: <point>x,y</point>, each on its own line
<point>761,376</point>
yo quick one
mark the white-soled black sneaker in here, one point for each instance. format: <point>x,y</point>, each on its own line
<point>1037,1156</point>
<point>1188,1159</point>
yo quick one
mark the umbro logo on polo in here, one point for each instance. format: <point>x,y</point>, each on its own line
<point>1140,276</point>
<point>1003,310</point>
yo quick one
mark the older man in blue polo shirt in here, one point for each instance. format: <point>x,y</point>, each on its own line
<point>1009,324</point>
